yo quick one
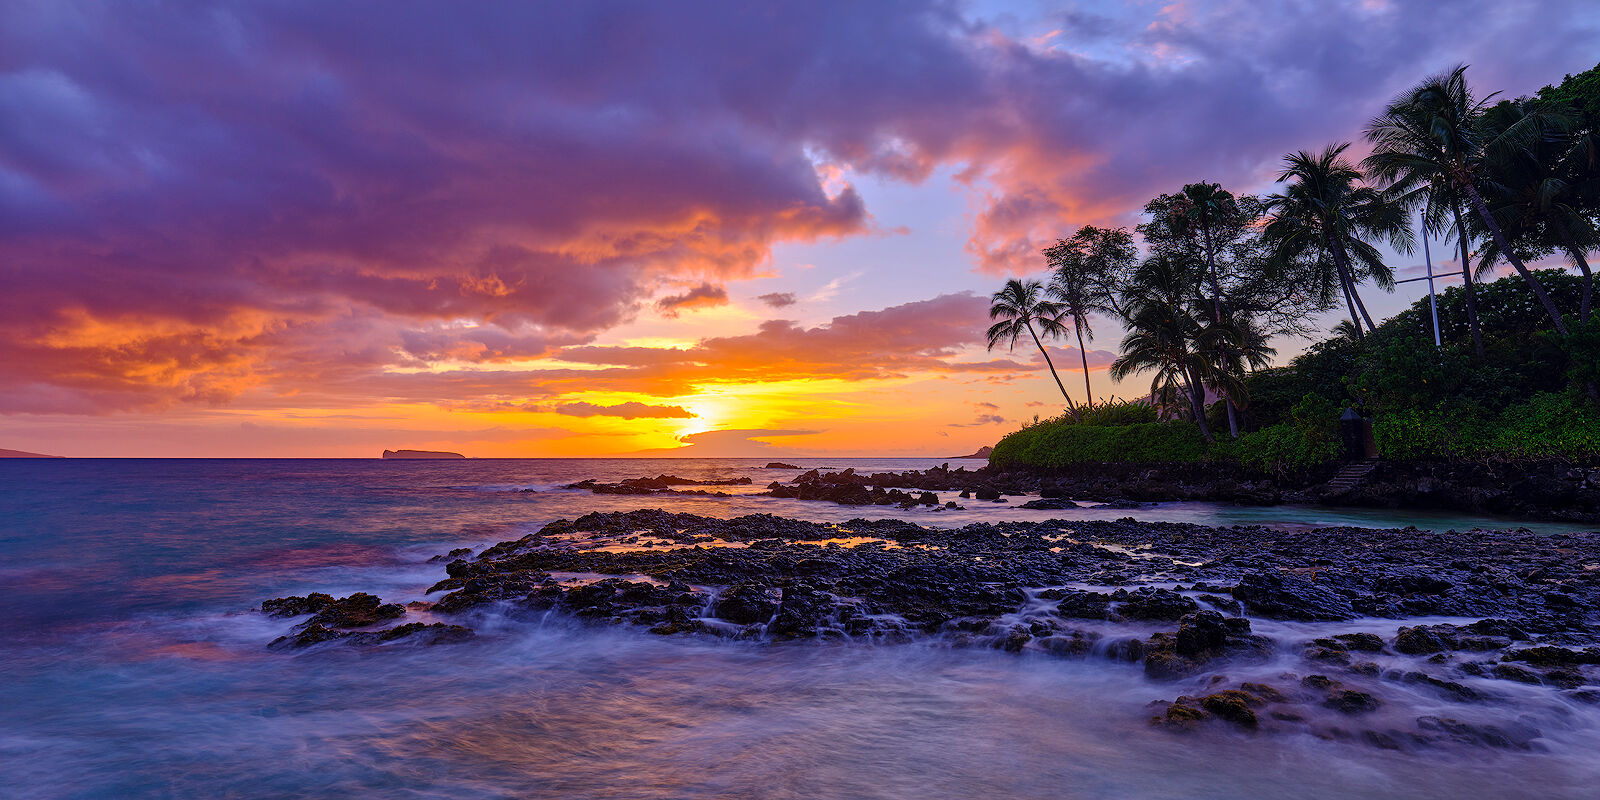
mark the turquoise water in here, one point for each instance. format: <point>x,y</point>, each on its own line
<point>134,667</point>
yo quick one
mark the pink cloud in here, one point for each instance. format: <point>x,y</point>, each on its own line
<point>284,198</point>
<point>629,410</point>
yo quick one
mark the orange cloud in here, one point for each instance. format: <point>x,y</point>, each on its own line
<point>703,296</point>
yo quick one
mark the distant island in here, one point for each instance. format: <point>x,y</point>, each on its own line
<point>423,454</point>
<point>22,454</point>
<point>983,452</point>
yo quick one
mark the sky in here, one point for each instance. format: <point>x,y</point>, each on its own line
<point>311,229</point>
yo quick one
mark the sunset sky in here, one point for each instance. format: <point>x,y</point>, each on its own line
<point>611,228</point>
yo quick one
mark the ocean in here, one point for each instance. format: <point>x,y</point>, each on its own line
<point>135,666</point>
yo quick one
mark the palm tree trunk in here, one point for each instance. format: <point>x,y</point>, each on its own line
<point>1466,280</point>
<point>1354,292</point>
<point>1084,356</point>
<point>1355,319</point>
<point>1344,283</point>
<point>1363,306</point>
<point>1587,302</point>
<point>1197,403</point>
<point>1216,316</point>
<point>1071,406</point>
<point>1583,264</point>
<point>1211,269</point>
<point>1516,263</point>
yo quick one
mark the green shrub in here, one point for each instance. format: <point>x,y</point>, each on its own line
<point>1316,420</point>
<point>1278,449</point>
<point>1272,392</point>
<point>1408,372</point>
<point>1059,443</point>
<point>1308,439</point>
<point>1552,424</point>
<point>1582,350</point>
<point>1415,434</point>
<point>1118,412</point>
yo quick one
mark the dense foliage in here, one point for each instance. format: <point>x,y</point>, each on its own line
<point>1060,442</point>
<point>1522,400</point>
<point>1517,372</point>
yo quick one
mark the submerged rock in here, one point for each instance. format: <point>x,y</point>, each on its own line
<point>427,634</point>
<point>1048,504</point>
<point>357,610</point>
<point>1350,701</point>
<point>333,619</point>
<point>295,606</point>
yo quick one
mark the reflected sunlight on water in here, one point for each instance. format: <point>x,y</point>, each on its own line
<point>135,669</point>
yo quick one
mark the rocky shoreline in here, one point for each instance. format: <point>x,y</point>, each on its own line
<point>1194,606</point>
<point>1535,490</point>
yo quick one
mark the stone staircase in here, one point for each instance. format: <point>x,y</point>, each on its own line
<point>1350,476</point>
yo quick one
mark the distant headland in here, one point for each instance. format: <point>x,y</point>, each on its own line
<point>983,452</point>
<point>420,454</point>
<point>23,454</point>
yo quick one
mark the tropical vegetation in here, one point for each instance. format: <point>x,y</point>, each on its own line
<point>1206,284</point>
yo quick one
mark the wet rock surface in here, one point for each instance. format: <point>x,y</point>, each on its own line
<point>661,484</point>
<point>1510,611</point>
<point>332,620</point>
<point>991,484</point>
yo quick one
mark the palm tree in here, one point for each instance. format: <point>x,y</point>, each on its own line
<point>1160,332</point>
<point>1324,208</point>
<point>1019,307</point>
<point>1534,197</point>
<point>1412,154</point>
<point>1083,271</point>
<point>1200,207</point>
<point>1433,133</point>
<point>1236,346</point>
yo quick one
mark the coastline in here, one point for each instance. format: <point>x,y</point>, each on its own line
<point>156,625</point>
<point>1342,633</point>
<point>1533,490</point>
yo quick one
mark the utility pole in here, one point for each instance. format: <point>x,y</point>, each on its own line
<point>1433,300</point>
<point>1427,258</point>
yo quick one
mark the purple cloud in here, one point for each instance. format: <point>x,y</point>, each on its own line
<point>276,196</point>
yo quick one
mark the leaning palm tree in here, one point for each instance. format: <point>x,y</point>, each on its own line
<point>1534,195</point>
<point>1434,134</point>
<point>1083,271</point>
<point>1021,307</point>
<point>1415,148</point>
<point>1325,213</point>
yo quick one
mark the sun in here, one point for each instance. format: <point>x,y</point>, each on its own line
<point>711,412</point>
